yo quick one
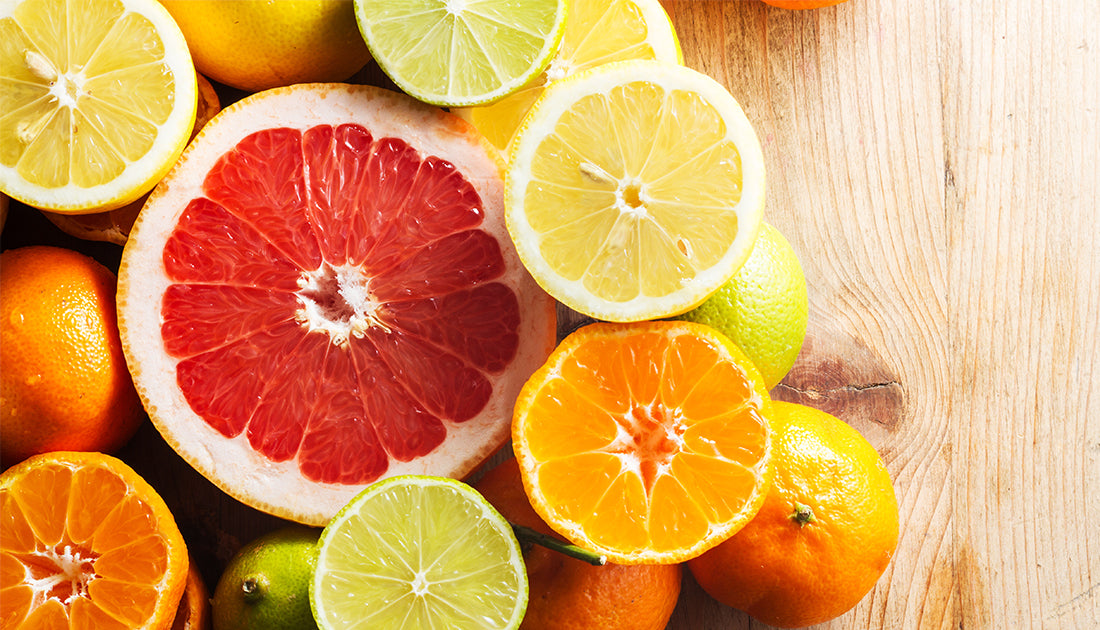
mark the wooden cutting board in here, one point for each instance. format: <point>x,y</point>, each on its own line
<point>935,166</point>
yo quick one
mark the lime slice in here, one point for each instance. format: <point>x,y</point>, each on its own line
<point>634,190</point>
<point>419,552</point>
<point>597,32</point>
<point>97,100</point>
<point>461,52</point>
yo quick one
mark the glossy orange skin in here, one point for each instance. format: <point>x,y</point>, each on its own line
<point>63,379</point>
<point>569,594</point>
<point>802,4</point>
<point>791,575</point>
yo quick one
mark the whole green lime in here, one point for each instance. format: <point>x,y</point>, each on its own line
<point>266,585</point>
<point>763,308</point>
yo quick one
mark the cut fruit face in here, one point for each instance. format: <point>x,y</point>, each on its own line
<point>597,32</point>
<point>461,52</point>
<point>645,442</point>
<point>86,543</point>
<point>419,552</point>
<point>323,293</point>
<point>114,226</point>
<point>98,101</point>
<point>634,190</point>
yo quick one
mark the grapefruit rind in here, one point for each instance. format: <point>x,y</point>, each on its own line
<point>583,443</point>
<point>231,463</point>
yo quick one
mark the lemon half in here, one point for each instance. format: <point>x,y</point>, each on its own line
<point>634,190</point>
<point>97,101</point>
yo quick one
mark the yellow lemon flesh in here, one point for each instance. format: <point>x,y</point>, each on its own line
<point>97,100</point>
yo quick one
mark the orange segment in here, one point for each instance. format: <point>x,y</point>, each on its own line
<point>645,442</point>
<point>86,543</point>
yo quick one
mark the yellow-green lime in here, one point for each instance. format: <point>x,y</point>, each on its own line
<point>419,552</point>
<point>764,307</point>
<point>456,53</point>
<point>266,584</point>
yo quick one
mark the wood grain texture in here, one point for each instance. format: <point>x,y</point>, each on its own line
<point>935,165</point>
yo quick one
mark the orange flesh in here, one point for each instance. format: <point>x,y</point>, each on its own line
<point>645,441</point>
<point>78,549</point>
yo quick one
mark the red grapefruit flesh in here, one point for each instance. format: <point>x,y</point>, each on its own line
<point>323,293</point>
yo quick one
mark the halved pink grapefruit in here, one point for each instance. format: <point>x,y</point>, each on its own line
<point>323,293</point>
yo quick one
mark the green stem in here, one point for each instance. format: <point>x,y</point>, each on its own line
<point>803,514</point>
<point>528,536</point>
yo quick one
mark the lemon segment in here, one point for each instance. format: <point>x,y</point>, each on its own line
<point>98,100</point>
<point>456,53</point>
<point>422,552</point>
<point>635,189</point>
<point>596,32</point>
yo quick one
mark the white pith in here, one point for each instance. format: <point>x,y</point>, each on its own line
<point>73,568</point>
<point>346,284</point>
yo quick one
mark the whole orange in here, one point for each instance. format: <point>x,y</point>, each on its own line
<point>63,379</point>
<point>802,4</point>
<point>825,534</point>
<point>569,594</point>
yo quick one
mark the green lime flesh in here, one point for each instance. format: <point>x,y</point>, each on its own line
<point>418,552</point>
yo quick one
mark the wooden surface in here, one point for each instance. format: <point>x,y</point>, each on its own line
<point>935,165</point>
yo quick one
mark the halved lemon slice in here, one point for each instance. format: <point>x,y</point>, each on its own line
<point>635,189</point>
<point>97,98</point>
<point>597,32</point>
<point>455,53</point>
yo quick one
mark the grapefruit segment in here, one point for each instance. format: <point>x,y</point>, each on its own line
<point>335,299</point>
<point>212,245</point>
<point>262,182</point>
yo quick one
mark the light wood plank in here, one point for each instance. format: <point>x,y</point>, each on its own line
<point>936,169</point>
<point>1023,145</point>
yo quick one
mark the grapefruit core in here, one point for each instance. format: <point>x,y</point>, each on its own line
<point>323,293</point>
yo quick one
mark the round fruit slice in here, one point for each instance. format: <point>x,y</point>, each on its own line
<point>114,226</point>
<point>634,190</point>
<point>87,543</point>
<point>323,293</point>
<point>645,442</point>
<point>597,32</point>
<point>461,52</point>
<point>419,552</point>
<point>98,101</point>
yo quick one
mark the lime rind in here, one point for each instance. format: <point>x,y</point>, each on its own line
<point>458,53</point>
<point>423,548</point>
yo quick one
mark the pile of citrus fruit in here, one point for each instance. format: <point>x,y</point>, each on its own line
<point>337,301</point>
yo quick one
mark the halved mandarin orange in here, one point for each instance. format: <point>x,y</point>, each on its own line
<point>646,442</point>
<point>86,543</point>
